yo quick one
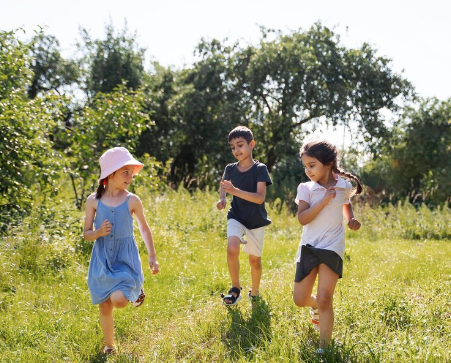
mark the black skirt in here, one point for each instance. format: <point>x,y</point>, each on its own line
<point>312,257</point>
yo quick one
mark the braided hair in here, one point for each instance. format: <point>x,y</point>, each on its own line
<point>327,154</point>
<point>101,188</point>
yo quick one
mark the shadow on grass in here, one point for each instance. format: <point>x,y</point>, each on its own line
<point>98,358</point>
<point>117,358</point>
<point>246,334</point>
<point>337,352</point>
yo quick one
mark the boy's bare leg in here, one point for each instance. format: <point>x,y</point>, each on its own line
<point>233,260</point>
<point>256,273</point>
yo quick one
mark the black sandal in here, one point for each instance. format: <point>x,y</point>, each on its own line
<point>234,299</point>
<point>253,298</point>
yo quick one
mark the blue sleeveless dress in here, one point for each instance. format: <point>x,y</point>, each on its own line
<point>115,263</point>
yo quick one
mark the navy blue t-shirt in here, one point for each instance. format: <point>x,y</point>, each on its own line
<point>249,214</point>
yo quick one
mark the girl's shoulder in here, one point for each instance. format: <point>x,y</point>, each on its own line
<point>91,201</point>
<point>92,198</point>
<point>133,199</point>
<point>343,183</point>
<point>306,185</point>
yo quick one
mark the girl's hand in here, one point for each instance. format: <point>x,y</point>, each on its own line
<point>227,186</point>
<point>354,224</point>
<point>153,264</point>
<point>105,228</point>
<point>221,204</point>
<point>330,194</point>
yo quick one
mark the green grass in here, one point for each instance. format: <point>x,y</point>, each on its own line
<point>393,304</point>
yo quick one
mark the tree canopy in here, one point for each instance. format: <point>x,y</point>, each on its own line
<point>60,114</point>
<point>275,88</point>
<point>28,162</point>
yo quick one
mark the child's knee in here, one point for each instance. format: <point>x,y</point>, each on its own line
<point>233,246</point>
<point>301,301</point>
<point>118,299</point>
<point>255,262</point>
<point>106,307</point>
<point>324,300</point>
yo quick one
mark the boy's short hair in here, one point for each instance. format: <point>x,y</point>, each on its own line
<point>241,131</point>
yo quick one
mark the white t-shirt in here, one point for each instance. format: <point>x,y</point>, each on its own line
<point>326,230</point>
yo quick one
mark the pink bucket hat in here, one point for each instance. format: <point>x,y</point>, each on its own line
<point>116,158</point>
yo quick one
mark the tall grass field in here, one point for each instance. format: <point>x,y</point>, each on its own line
<point>392,305</point>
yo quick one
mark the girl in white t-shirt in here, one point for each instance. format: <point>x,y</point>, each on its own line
<point>322,203</point>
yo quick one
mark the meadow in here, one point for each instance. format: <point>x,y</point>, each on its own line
<point>392,305</point>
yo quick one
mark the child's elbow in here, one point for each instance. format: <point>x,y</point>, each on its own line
<point>260,199</point>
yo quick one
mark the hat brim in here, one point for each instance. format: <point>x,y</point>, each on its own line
<point>138,166</point>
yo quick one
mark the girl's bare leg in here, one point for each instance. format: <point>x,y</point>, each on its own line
<point>302,293</point>
<point>118,299</point>
<point>327,280</point>
<point>106,322</point>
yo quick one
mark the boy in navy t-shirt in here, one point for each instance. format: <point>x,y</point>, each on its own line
<point>246,180</point>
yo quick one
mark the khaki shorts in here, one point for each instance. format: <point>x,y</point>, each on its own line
<point>253,244</point>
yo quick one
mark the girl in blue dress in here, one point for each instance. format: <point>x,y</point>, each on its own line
<point>115,275</point>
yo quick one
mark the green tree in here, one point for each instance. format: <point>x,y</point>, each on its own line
<point>108,120</point>
<point>28,164</point>
<point>159,140</point>
<point>309,77</point>
<point>51,72</point>
<point>193,109</point>
<point>418,163</point>
<point>112,61</point>
<point>276,87</point>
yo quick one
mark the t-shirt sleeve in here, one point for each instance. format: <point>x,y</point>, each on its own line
<point>347,196</point>
<point>227,172</point>
<point>303,194</point>
<point>263,174</point>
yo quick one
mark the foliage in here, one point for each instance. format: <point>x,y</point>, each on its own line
<point>50,70</point>
<point>404,221</point>
<point>309,77</point>
<point>418,162</point>
<point>159,140</point>
<point>109,120</point>
<point>27,161</point>
<point>282,87</point>
<point>111,62</point>
<point>392,304</point>
<point>193,109</point>
<point>274,88</point>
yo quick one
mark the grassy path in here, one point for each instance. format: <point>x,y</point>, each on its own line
<point>393,304</point>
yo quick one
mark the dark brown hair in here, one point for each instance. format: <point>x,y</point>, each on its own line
<point>241,131</point>
<point>101,187</point>
<point>327,154</point>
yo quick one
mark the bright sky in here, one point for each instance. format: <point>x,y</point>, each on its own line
<point>415,34</point>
